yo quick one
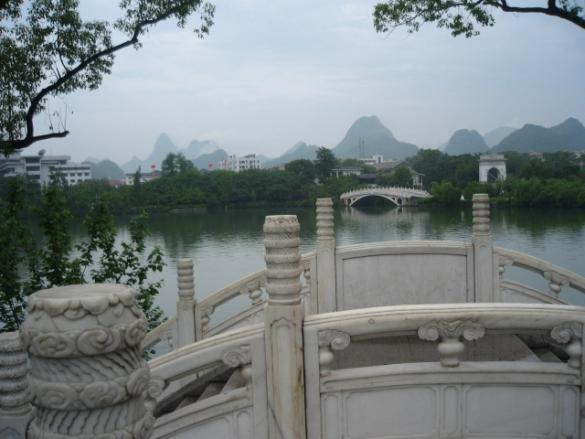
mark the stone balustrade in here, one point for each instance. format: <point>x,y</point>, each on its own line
<point>88,374</point>
<point>15,393</point>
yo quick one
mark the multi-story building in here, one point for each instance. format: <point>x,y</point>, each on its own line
<point>238,164</point>
<point>41,167</point>
<point>144,177</point>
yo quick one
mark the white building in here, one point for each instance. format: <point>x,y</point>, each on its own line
<point>238,164</point>
<point>144,177</point>
<point>346,171</point>
<point>376,159</point>
<point>40,168</point>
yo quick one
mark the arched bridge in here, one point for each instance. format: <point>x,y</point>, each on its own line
<point>401,196</point>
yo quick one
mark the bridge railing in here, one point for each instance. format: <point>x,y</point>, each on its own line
<point>244,353</point>
<point>482,267</point>
<point>379,356</point>
<point>196,320</point>
<point>386,189</point>
<point>557,277</point>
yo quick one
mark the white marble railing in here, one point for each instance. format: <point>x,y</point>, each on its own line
<point>556,276</point>
<point>421,384</point>
<point>252,286</point>
<point>243,350</point>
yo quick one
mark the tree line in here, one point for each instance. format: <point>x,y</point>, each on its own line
<point>551,180</point>
<point>555,179</point>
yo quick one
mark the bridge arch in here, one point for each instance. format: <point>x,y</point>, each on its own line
<point>395,200</point>
<point>400,196</point>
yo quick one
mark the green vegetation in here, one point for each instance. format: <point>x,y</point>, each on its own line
<point>559,177</point>
<point>555,180</point>
<point>28,265</point>
<point>462,17</point>
<point>47,49</point>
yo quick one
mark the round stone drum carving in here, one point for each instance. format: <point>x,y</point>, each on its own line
<point>88,376</point>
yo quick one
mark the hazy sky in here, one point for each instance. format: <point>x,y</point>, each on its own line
<point>273,72</point>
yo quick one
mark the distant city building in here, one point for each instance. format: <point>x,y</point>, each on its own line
<point>238,164</point>
<point>346,171</point>
<point>144,177</point>
<point>40,168</point>
<point>536,155</point>
<point>492,167</point>
<point>376,159</point>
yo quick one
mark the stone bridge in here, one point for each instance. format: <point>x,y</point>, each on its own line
<point>401,196</point>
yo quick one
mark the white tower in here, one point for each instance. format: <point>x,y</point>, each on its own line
<point>492,168</point>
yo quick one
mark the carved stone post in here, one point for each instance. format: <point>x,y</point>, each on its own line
<point>483,254</point>
<point>284,321</point>
<point>15,396</point>
<point>87,371</point>
<point>186,303</point>
<point>325,256</point>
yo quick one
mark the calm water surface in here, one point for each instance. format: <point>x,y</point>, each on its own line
<point>225,246</point>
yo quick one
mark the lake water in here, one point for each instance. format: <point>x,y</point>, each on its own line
<point>227,245</point>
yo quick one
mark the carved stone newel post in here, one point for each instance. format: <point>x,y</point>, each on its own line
<point>88,375</point>
<point>186,303</point>
<point>284,320</point>
<point>483,249</point>
<point>325,256</point>
<point>15,396</point>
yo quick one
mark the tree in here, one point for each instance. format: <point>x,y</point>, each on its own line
<point>48,50</point>
<point>402,177</point>
<point>175,164</point>
<point>325,163</point>
<point>25,268</point>
<point>445,193</point>
<point>462,17</point>
<point>302,169</point>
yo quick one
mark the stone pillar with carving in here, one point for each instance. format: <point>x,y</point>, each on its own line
<point>284,321</point>
<point>483,254</point>
<point>325,256</point>
<point>15,395</point>
<point>186,304</point>
<point>87,371</point>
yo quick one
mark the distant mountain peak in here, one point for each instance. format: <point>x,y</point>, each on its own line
<point>164,144</point>
<point>297,146</point>
<point>368,124</point>
<point>199,147</point>
<point>566,136</point>
<point>298,151</point>
<point>368,136</point>
<point>465,141</point>
<point>495,136</point>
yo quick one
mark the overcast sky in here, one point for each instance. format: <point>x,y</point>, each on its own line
<point>274,72</point>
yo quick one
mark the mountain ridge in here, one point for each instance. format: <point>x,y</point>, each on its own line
<point>368,136</point>
<point>465,141</point>
<point>566,136</point>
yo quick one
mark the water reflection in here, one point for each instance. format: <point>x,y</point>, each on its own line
<point>226,245</point>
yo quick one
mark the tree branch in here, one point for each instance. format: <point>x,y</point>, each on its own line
<point>30,138</point>
<point>12,145</point>
<point>552,9</point>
